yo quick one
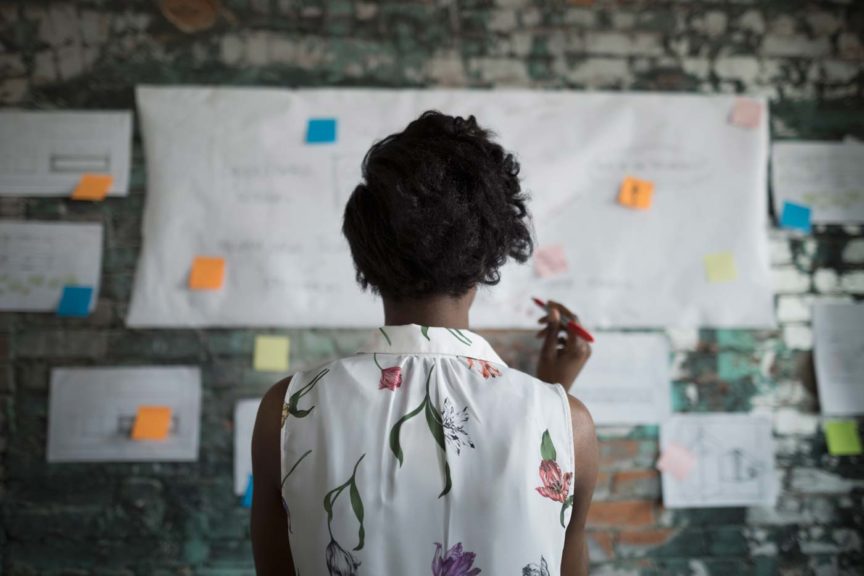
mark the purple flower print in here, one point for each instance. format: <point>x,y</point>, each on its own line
<point>455,562</point>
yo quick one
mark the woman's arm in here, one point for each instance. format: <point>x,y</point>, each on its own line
<point>575,561</point>
<point>269,523</point>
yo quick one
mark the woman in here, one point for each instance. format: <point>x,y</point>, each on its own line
<point>424,453</point>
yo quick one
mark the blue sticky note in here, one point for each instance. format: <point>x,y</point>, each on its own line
<point>75,302</point>
<point>247,496</point>
<point>795,216</point>
<point>321,131</point>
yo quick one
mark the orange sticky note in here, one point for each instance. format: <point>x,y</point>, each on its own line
<point>746,113</point>
<point>207,273</point>
<point>92,187</point>
<point>635,193</point>
<point>151,423</point>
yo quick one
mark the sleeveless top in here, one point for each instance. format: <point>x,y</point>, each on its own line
<point>425,454</point>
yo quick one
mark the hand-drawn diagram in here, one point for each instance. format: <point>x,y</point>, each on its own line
<point>734,461</point>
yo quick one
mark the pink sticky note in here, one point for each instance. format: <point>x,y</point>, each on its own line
<point>746,113</point>
<point>676,460</point>
<point>550,261</point>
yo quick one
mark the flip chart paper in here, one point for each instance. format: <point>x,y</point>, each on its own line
<point>746,113</point>
<point>93,187</point>
<point>75,301</point>
<point>39,259</point>
<point>152,423</point>
<point>627,380</point>
<point>677,461</point>
<point>795,217</point>
<point>838,333</point>
<point>47,153</point>
<point>230,174</point>
<point>720,267</point>
<point>635,193</point>
<point>92,412</point>
<point>734,460</point>
<point>842,437</point>
<point>550,261</point>
<point>271,353</point>
<point>207,273</point>
<point>245,412</point>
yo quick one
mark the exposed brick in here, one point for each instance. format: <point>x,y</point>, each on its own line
<point>636,484</point>
<point>621,513</point>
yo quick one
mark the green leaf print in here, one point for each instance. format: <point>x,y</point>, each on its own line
<point>547,449</point>
<point>436,426</point>
<point>389,343</point>
<point>425,331</point>
<point>459,336</point>
<point>397,428</point>
<point>357,505</point>
<point>567,504</point>
<point>294,467</point>
<point>294,400</point>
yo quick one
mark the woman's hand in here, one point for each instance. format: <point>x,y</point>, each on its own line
<point>562,356</point>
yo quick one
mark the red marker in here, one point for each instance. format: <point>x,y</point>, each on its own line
<point>571,322</point>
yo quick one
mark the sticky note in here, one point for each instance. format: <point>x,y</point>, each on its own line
<point>247,495</point>
<point>92,187</point>
<point>271,353</point>
<point>720,267</point>
<point>151,423</point>
<point>550,261</point>
<point>207,273</point>
<point>677,461</point>
<point>321,131</point>
<point>635,193</point>
<point>843,438</point>
<point>746,113</point>
<point>795,216</point>
<point>75,301</point>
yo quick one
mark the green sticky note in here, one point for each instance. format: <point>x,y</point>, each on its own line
<point>720,267</point>
<point>271,353</point>
<point>843,438</point>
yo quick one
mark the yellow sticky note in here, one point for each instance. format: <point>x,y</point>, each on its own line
<point>720,267</point>
<point>207,273</point>
<point>635,193</point>
<point>271,353</point>
<point>152,423</point>
<point>843,438</point>
<point>92,187</point>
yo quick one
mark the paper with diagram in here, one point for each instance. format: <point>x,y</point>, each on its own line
<point>39,259</point>
<point>46,153</point>
<point>627,380</point>
<point>838,332</point>
<point>827,177</point>
<point>245,412</point>
<point>92,412</point>
<point>253,176</point>
<point>734,461</point>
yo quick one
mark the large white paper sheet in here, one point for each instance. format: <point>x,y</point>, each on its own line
<point>627,380</point>
<point>37,259</point>
<point>826,176</point>
<point>45,153</point>
<point>838,330</point>
<point>92,411</point>
<point>229,175</point>
<point>734,461</point>
<point>244,423</point>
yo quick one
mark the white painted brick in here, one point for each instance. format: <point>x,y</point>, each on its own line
<point>744,68</point>
<point>597,72</point>
<point>530,17</point>
<point>11,65</point>
<point>44,68</point>
<point>854,251</point>
<point>60,25</point>
<point>501,70</point>
<point>826,281</point>
<point>231,48</point>
<point>677,370</point>
<point>636,44</point>
<point>823,23</point>
<point>502,20</point>
<point>70,61</point>
<point>853,282</point>
<point>683,338</point>
<point>13,90</point>
<point>257,50</point>
<point>795,46</point>
<point>781,253</point>
<point>699,67</point>
<point>446,69</point>
<point>790,280</point>
<point>365,10</point>
<point>752,21</point>
<point>794,308</point>
<point>783,25</point>
<point>816,481</point>
<point>715,23</point>
<point>581,17</point>
<point>789,422</point>
<point>622,19</point>
<point>798,337</point>
<point>94,27</point>
<point>849,46</point>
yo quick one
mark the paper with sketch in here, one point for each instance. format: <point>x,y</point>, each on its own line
<point>734,461</point>
<point>37,259</point>
<point>827,177</point>
<point>838,332</point>
<point>627,380</point>
<point>46,153</point>
<point>231,174</point>
<point>244,423</point>
<point>92,412</point>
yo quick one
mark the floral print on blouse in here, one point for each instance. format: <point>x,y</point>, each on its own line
<point>404,457</point>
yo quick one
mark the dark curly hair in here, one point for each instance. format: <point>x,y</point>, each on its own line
<point>440,211</point>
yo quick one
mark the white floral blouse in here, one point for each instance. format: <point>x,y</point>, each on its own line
<point>425,454</point>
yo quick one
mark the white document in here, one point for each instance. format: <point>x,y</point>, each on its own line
<point>244,423</point>
<point>734,461</point>
<point>627,380</point>
<point>45,153</point>
<point>37,259</point>
<point>230,175</point>
<point>838,330</point>
<point>826,176</point>
<point>92,411</point>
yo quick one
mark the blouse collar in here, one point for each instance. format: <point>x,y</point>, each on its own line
<point>415,339</point>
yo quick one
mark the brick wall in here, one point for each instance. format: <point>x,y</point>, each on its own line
<point>123,519</point>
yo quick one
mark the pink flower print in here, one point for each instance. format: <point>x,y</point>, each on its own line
<point>391,378</point>
<point>556,486</point>
<point>455,562</point>
<point>485,368</point>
